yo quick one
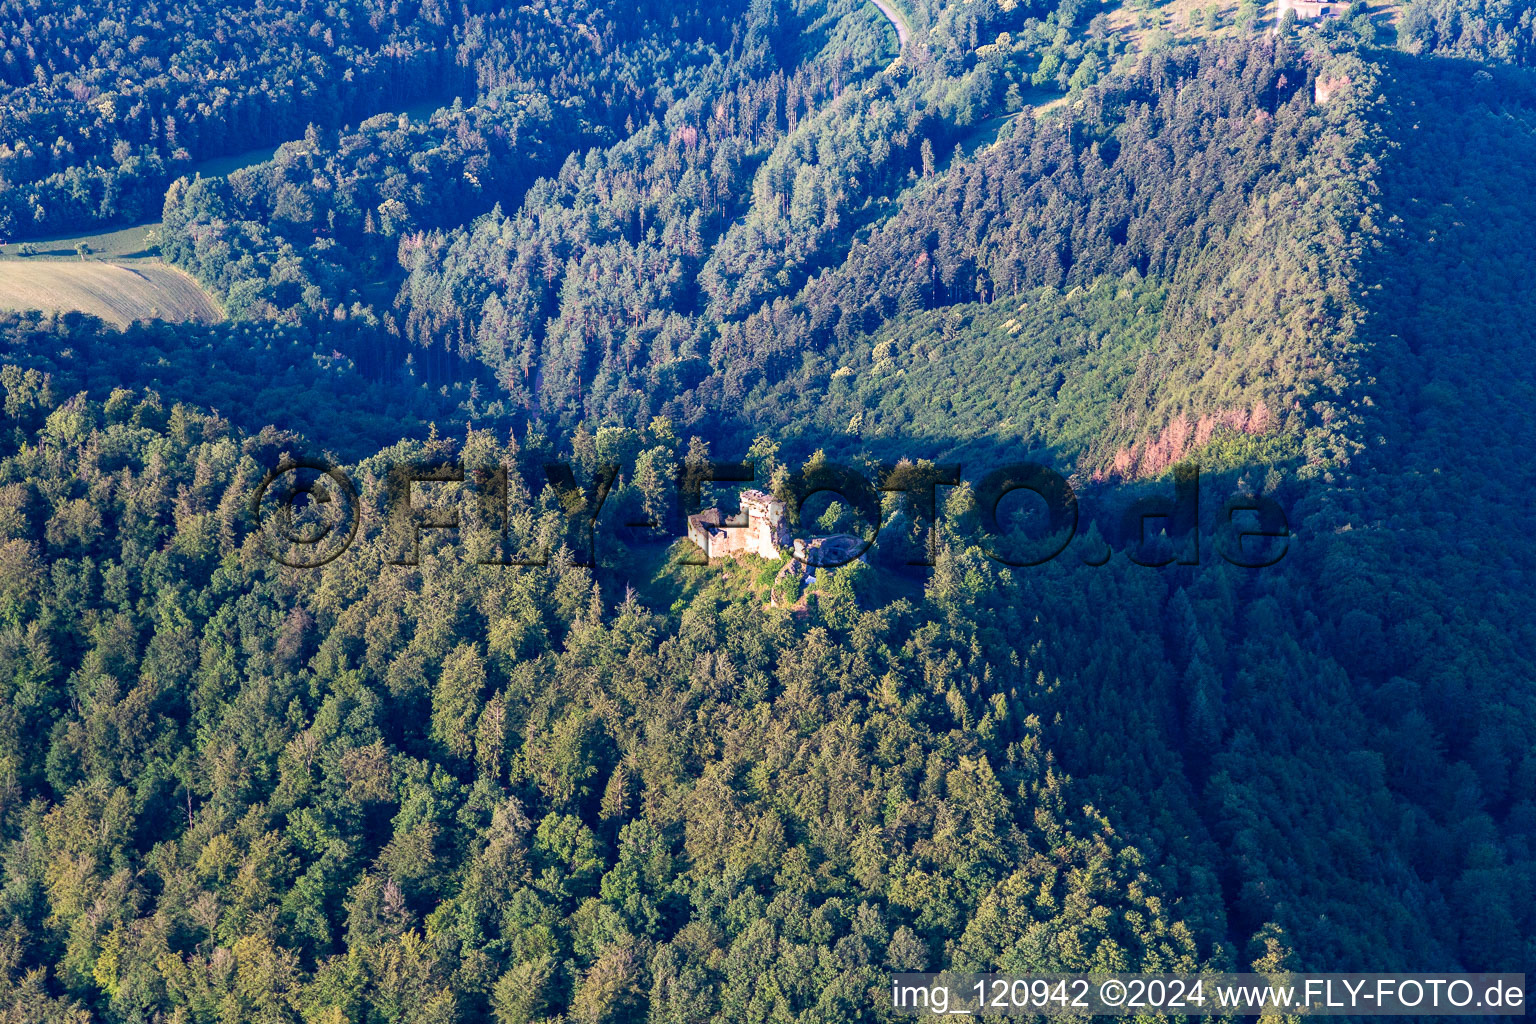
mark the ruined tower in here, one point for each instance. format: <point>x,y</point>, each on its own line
<point>765,532</point>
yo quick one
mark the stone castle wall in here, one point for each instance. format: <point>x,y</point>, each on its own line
<point>765,532</point>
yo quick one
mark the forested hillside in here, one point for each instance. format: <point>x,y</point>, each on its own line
<point>548,799</point>
<point>552,771</point>
<point>107,104</point>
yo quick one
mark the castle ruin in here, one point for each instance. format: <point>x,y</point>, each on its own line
<point>765,532</point>
<point>1311,10</point>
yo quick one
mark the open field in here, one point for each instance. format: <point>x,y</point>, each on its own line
<point>131,244</point>
<point>219,166</point>
<point>119,294</point>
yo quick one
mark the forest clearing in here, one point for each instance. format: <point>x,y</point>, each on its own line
<point>118,294</point>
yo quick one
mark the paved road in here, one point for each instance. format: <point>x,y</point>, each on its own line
<point>903,33</point>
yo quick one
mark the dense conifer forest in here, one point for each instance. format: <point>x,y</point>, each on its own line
<point>540,767</point>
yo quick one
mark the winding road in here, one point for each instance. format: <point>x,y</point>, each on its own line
<point>903,30</point>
